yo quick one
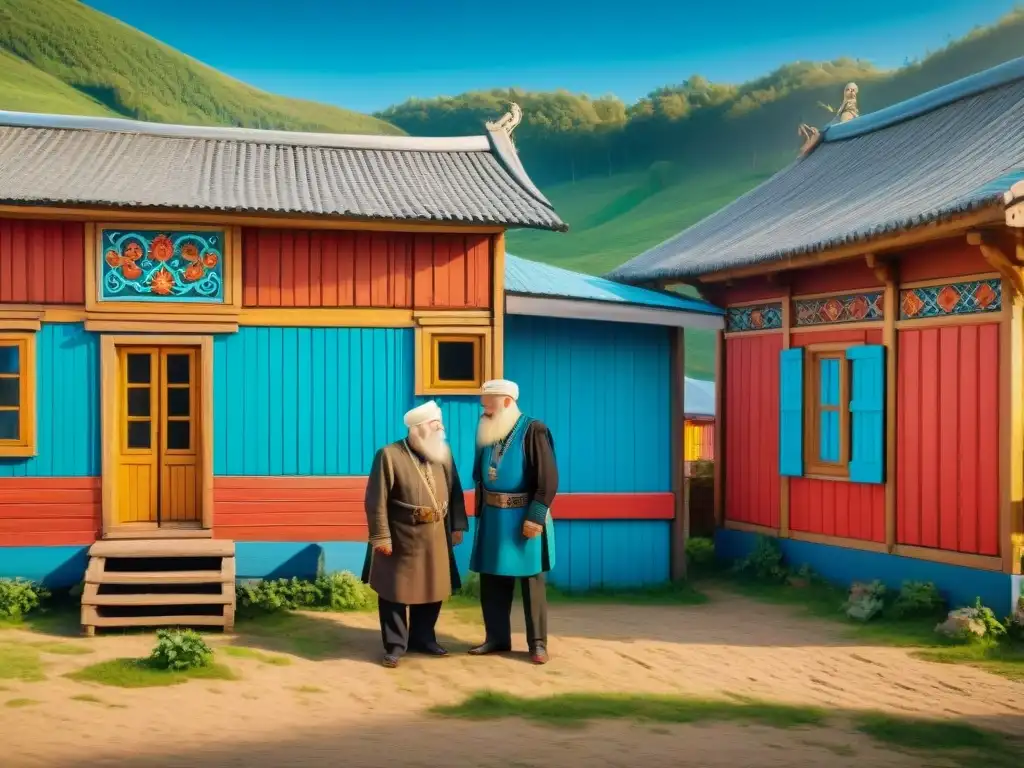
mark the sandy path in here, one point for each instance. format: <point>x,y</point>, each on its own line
<point>345,709</point>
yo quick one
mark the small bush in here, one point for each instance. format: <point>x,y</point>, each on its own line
<point>341,591</point>
<point>19,597</point>
<point>700,552</point>
<point>180,649</point>
<point>1015,622</point>
<point>972,622</point>
<point>865,601</point>
<point>764,563</point>
<point>918,599</point>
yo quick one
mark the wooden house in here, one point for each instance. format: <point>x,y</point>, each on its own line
<point>871,380</point>
<point>205,334</point>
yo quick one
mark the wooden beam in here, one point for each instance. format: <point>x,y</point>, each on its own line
<point>1011,427</point>
<point>998,260</point>
<point>787,323</point>
<point>879,245</point>
<point>681,519</point>
<point>881,268</point>
<point>890,337</point>
<point>498,306</point>
<point>719,428</point>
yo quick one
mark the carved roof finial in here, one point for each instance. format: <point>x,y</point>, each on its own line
<point>508,121</point>
<point>848,109</point>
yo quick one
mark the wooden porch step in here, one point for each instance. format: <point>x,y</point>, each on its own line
<point>95,575</point>
<point>91,596</point>
<point>163,548</point>
<point>94,619</point>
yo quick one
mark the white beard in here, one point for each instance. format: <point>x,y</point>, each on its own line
<point>494,428</point>
<point>432,447</point>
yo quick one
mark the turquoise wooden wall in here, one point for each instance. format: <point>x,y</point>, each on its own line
<point>321,401</point>
<point>67,406</point>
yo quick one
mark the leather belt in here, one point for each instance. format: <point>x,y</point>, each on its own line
<point>506,500</point>
<point>422,515</point>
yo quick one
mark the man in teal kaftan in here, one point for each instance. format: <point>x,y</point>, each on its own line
<point>516,479</point>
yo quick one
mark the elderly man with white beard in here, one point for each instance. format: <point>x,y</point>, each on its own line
<point>416,512</point>
<point>516,480</point>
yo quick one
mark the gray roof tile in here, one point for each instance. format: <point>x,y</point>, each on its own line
<point>60,160</point>
<point>950,151</point>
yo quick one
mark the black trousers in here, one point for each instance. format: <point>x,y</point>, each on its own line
<point>402,626</point>
<point>496,593</point>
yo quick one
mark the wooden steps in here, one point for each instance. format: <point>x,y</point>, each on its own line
<point>159,582</point>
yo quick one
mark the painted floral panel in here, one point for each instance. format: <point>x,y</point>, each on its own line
<point>162,266</point>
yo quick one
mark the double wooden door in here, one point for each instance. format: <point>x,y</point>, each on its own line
<point>158,454</point>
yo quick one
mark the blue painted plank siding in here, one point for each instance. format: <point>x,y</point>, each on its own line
<point>332,396</point>
<point>67,406</point>
<point>603,390</point>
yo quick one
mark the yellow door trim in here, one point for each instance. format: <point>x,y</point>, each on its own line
<point>111,427</point>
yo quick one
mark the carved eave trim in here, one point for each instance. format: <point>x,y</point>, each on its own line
<point>882,269</point>
<point>998,260</point>
<point>508,122</point>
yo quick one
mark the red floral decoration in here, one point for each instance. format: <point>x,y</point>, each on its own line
<point>161,249</point>
<point>210,260</point>
<point>194,272</point>
<point>162,283</point>
<point>189,252</point>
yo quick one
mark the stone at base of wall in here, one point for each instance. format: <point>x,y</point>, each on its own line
<point>959,585</point>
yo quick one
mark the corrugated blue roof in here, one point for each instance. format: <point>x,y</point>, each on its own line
<point>950,151</point>
<point>699,397</point>
<point>532,278</point>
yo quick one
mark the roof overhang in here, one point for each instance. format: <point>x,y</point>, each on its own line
<point>577,309</point>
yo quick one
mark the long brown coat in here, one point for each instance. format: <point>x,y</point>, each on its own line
<point>421,567</point>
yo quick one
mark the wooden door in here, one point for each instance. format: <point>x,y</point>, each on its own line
<point>158,467</point>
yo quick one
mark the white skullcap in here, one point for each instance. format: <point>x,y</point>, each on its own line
<point>421,414</point>
<point>501,387</point>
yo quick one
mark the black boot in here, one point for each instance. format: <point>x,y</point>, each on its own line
<point>489,646</point>
<point>430,648</point>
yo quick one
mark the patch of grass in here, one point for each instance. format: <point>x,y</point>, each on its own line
<point>62,649</point>
<point>20,662</point>
<point>297,634</point>
<point>141,673</point>
<point>578,708</point>
<point>16,703</point>
<point>242,652</point>
<point>976,745</point>
<point>1004,659</point>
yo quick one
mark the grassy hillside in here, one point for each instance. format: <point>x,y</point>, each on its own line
<point>62,56</point>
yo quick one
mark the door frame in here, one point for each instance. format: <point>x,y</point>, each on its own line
<point>110,394</point>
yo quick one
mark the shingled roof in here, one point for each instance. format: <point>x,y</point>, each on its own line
<point>88,161</point>
<point>950,151</point>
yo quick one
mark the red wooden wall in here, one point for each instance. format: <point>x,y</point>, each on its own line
<point>948,436</point>
<point>837,507</point>
<point>297,268</point>
<point>42,262</point>
<point>49,511</point>
<point>752,429</point>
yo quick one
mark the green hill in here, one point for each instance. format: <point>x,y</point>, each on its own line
<point>63,56</point>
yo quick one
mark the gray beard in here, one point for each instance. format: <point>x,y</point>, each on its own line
<point>434,449</point>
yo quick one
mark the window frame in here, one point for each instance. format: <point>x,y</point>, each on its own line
<point>25,445</point>
<point>813,464</point>
<point>428,342</point>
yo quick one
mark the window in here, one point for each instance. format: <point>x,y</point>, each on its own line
<point>827,413</point>
<point>832,412</point>
<point>17,394</point>
<point>452,361</point>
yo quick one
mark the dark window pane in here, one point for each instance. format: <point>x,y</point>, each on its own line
<point>177,369</point>
<point>138,434</point>
<point>9,425</point>
<point>177,402</point>
<point>10,392</point>
<point>455,361</point>
<point>138,401</point>
<point>178,435</point>
<point>9,359</point>
<point>138,369</point>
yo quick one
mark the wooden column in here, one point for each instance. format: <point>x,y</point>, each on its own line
<point>787,310</point>
<point>680,483</point>
<point>890,311</point>
<point>1011,429</point>
<point>498,301</point>
<point>719,457</point>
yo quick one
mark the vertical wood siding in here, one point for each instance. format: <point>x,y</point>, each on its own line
<point>752,429</point>
<point>67,406</point>
<point>603,390</point>
<point>42,262</point>
<point>837,507</point>
<point>296,268</point>
<point>948,436</point>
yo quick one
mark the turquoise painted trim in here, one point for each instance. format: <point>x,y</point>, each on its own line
<point>959,585</point>
<point>791,415</point>
<point>67,405</point>
<point>867,413</point>
<point>56,567</point>
<point>333,396</point>
<point>593,554</point>
<point>603,391</point>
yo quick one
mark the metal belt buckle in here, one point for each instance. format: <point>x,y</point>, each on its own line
<point>422,515</point>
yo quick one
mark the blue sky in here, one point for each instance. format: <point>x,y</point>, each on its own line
<point>366,56</point>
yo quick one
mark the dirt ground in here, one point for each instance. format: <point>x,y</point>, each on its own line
<point>334,704</point>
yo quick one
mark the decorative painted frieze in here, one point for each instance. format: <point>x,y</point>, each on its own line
<point>967,298</point>
<point>162,266</point>
<point>852,308</point>
<point>762,317</point>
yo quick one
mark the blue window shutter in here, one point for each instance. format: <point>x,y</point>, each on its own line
<point>867,414</point>
<point>791,412</point>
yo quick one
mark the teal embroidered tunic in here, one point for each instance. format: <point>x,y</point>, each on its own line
<point>523,463</point>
